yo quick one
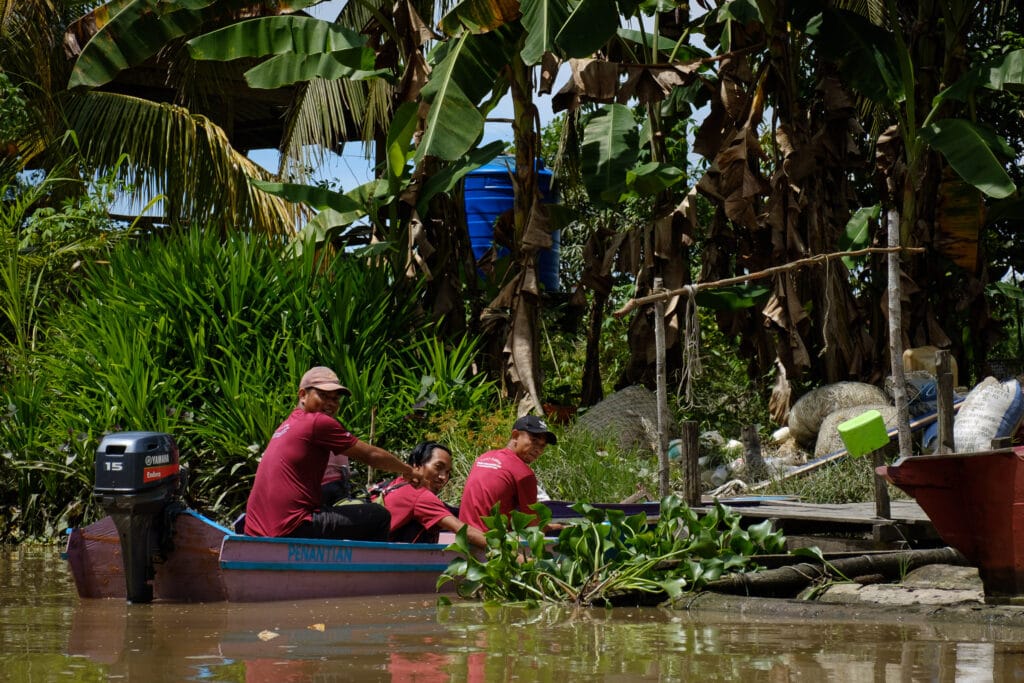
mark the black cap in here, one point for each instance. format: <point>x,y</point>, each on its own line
<point>534,425</point>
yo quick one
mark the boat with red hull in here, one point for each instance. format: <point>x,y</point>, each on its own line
<point>976,503</point>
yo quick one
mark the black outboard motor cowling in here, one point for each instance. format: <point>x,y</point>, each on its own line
<point>137,483</point>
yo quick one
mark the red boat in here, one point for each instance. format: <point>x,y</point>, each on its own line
<point>976,502</point>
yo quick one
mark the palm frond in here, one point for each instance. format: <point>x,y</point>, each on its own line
<point>182,156</point>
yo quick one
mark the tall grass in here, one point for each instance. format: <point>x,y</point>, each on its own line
<point>205,339</point>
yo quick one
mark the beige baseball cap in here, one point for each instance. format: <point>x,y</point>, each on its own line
<point>324,378</point>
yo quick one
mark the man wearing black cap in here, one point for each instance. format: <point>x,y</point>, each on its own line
<point>286,496</point>
<point>504,475</point>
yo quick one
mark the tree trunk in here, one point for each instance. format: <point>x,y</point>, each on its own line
<point>790,580</point>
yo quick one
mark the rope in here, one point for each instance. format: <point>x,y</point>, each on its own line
<point>691,346</point>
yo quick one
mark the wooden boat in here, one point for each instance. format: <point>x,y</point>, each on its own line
<point>210,563</point>
<point>976,503</point>
<point>150,546</point>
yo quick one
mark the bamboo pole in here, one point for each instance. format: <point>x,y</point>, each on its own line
<point>817,259</point>
<point>662,394</point>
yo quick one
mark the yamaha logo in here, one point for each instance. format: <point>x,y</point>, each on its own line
<point>157,459</point>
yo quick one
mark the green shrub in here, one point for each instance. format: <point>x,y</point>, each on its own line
<point>205,339</point>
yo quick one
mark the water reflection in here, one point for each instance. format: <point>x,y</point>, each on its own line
<point>48,634</point>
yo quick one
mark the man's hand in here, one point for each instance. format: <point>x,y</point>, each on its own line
<point>416,478</point>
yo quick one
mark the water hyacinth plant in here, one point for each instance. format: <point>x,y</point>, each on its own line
<point>608,557</point>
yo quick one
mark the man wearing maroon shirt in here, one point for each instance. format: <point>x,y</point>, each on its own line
<point>504,475</point>
<point>286,498</point>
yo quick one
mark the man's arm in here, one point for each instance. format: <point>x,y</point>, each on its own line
<point>473,535</point>
<point>380,459</point>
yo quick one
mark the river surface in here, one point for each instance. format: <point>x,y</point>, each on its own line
<point>48,634</point>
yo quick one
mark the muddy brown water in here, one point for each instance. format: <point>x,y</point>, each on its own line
<point>48,634</point>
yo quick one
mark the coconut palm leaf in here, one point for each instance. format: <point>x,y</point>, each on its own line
<point>185,157</point>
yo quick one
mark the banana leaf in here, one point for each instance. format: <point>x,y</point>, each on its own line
<point>609,152</point>
<point>970,150</point>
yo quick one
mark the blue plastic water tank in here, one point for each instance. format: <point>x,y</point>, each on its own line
<point>489,193</point>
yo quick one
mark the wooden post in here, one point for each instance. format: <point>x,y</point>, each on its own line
<point>756,469</point>
<point>662,394</point>
<point>944,385</point>
<point>882,508</point>
<point>895,311</point>
<point>688,461</point>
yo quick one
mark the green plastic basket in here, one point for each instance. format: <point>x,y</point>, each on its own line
<point>864,433</point>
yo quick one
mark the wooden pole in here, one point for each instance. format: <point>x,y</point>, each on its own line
<point>944,383</point>
<point>896,336</point>
<point>882,508</point>
<point>756,469</point>
<point>662,394</point>
<point>688,459</point>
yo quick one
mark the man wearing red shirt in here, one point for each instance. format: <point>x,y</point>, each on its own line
<point>286,498</point>
<point>504,475</point>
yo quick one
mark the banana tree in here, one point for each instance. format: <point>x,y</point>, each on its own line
<point>547,33</point>
<point>940,161</point>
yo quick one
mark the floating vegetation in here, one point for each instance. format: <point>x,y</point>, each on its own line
<point>607,557</point>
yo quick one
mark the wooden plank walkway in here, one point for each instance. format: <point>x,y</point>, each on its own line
<point>853,525</point>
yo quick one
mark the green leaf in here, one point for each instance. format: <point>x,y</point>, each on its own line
<point>144,27</point>
<point>286,69</point>
<point>311,195</point>
<point>813,552</point>
<point>132,36</point>
<point>673,587</point>
<point>1007,69</point>
<point>740,11</point>
<point>969,150</point>
<point>588,27</point>
<point>733,297</point>
<point>760,532</point>
<point>651,178</point>
<point>665,45</point>
<point>866,54</point>
<point>279,35</point>
<point>453,123</point>
<point>608,152</point>
<point>857,234</point>
<point>479,16</point>
<point>399,140</point>
<point>542,20</point>
<point>1010,291</point>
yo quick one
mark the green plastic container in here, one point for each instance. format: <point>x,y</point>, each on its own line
<point>864,433</point>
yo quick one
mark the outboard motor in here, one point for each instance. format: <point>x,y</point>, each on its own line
<point>138,480</point>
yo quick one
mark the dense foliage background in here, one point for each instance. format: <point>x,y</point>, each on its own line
<point>700,142</point>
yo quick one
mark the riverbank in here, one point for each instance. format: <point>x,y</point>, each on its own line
<point>935,593</point>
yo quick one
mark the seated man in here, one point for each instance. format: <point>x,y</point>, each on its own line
<point>286,498</point>
<point>504,475</point>
<point>418,515</point>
